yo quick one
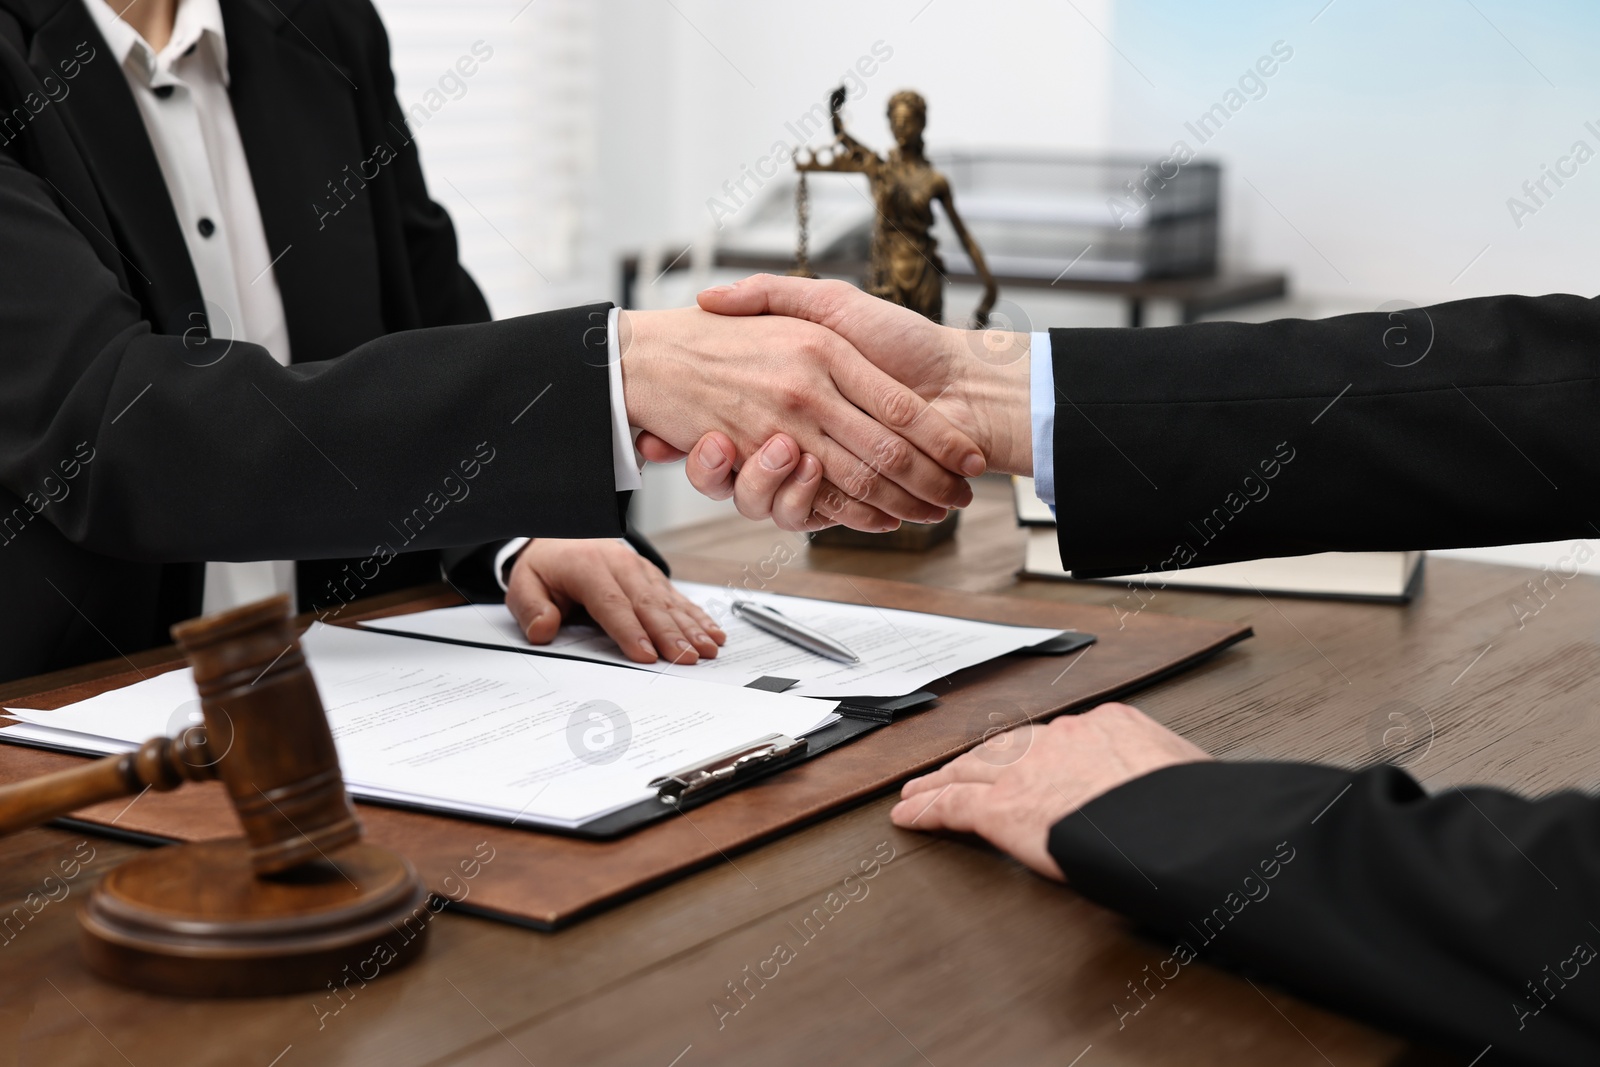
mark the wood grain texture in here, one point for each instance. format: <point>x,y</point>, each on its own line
<point>955,955</point>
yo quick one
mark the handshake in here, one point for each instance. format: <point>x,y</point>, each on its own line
<point>813,403</point>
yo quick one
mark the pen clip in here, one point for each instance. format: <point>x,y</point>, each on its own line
<point>725,767</point>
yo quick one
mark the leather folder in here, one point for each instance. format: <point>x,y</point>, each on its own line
<point>546,880</point>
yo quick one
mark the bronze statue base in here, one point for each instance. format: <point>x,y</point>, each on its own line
<point>911,537</point>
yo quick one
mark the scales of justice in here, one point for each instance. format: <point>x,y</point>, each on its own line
<point>903,266</point>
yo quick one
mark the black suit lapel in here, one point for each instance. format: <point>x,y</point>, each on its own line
<point>298,118</point>
<point>105,121</point>
<point>300,124</point>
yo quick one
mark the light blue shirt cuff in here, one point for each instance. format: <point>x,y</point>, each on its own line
<point>1043,408</point>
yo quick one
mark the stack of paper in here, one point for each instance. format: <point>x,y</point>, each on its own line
<point>447,727</point>
<point>901,651</point>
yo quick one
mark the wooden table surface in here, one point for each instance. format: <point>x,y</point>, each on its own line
<point>955,954</point>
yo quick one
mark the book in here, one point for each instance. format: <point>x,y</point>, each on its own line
<point>1031,511</point>
<point>1382,576</point>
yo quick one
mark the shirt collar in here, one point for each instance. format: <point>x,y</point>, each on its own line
<point>197,27</point>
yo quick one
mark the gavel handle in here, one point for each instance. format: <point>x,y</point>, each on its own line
<point>161,763</point>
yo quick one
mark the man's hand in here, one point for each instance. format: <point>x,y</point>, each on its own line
<point>623,592</point>
<point>889,455</point>
<point>1012,788</point>
<point>977,380</point>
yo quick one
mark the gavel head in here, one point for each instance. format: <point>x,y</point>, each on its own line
<point>268,734</point>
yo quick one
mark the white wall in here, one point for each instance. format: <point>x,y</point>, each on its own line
<point>1390,142</point>
<point>694,89</point>
<point>1383,153</point>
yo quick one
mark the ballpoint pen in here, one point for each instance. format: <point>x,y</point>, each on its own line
<point>778,624</point>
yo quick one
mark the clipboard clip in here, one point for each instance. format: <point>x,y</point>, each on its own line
<point>725,767</point>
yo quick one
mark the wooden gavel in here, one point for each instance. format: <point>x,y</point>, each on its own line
<point>286,908</point>
<point>265,735</point>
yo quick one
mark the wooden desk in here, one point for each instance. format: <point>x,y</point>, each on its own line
<point>956,955</point>
<point>1195,295</point>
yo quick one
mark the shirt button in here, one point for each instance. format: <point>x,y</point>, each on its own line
<point>207,227</point>
<point>162,91</point>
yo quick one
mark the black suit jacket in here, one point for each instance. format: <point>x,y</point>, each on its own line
<point>132,447</point>
<point>1470,918</point>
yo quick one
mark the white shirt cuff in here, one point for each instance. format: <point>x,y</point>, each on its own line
<point>507,550</point>
<point>1042,406</point>
<point>624,464</point>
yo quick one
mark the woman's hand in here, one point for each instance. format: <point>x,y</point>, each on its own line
<point>624,593</point>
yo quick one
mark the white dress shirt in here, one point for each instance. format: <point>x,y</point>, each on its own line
<point>182,95</point>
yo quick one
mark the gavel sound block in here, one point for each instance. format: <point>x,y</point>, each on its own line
<point>288,906</point>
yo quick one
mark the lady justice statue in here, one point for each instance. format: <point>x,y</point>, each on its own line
<point>904,266</point>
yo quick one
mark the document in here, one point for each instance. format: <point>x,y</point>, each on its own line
<point>446,727</point>
<point>901,651</point>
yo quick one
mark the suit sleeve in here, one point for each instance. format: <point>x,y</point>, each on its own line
<point>419,439</point>
<point>1468,423</point>
<point>1465,919</point>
